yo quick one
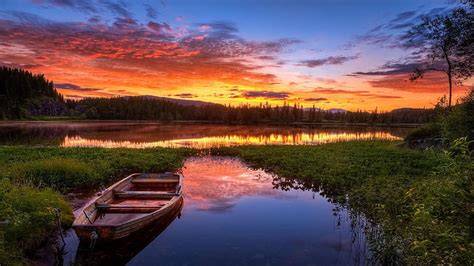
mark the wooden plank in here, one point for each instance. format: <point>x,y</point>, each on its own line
<point>145,195</point>
<point>128,210</point>
<point>111,206</point>
<point>154,180</point>
<point>118,208</point>
<point>153,186</point>
<point>151,192</point>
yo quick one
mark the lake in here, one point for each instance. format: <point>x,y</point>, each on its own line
<point>231,214</point>
<point>235,215</point>
<point>147,135</point>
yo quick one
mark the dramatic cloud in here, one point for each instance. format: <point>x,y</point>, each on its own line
<point>403,16</point>
<point>160,28</point>
<point>151,12</point>
<point>395,75</point>
<point>392,34</point>
<point>331,60</point>
<point>158,56</point>
<point>360,93</point>
<point>434,82</point>
<point>82,5</point>
<point>71,91</point>
<point>118,8</point>
<point>73,87</point>
<point>337,91</point>
<point>265,95</point>
<point>391,69</point>
<point>315,99</point>
<point>186,95</point>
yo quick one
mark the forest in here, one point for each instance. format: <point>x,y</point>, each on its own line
<point>24,95</point>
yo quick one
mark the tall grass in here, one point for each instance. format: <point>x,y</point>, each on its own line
<point>422,200</point>
<point>65,169</point>
<point>27,216</point>
<point>31,180</point>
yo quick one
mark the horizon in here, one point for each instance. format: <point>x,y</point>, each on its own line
<point>337,54</point>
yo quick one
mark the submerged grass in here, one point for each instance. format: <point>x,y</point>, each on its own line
<point>421,200</point>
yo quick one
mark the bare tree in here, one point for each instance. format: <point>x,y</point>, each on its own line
<point>447,41</point>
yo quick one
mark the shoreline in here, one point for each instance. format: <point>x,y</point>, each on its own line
<point>204,122</point>
<point>363,170</point>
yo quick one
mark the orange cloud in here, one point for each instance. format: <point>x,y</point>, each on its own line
<point>143,59</point>
<point>434,82</point>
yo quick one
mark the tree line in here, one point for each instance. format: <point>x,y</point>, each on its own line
<point>146,108</point>
<point>24,95</point>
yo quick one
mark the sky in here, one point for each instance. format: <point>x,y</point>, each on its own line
<point>329,54</point>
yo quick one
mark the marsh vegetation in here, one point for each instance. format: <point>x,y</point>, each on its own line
<point>400,190</point>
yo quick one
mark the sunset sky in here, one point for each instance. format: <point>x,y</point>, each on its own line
<point>331,54</point>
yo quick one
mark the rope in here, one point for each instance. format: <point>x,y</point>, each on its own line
<point>87,216</point>
<point>94,237</point>
<point>57,212</point>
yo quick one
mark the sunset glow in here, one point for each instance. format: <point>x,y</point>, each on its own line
<point>330,54</point>
<point>233,140</point>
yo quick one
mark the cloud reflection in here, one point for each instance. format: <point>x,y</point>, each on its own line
<point>226,181</point>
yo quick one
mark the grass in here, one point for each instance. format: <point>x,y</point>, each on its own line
<point>420,199</point>
<point>33,179</point>
<point>27,218</point>
<point>65,169</point>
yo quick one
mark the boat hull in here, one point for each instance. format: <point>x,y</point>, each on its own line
<point>125,219</point>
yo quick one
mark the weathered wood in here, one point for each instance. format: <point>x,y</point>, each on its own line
<point>132,203</point>
<point>110,206</point>
<point>145,195</point>
<point>154,180</point>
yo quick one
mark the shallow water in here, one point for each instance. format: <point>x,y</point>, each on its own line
<point>234,215</point>
<point>145,135</point>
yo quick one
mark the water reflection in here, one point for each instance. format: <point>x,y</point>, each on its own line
<point>216,184</point>
<point>146,135</point>
<point>234,215</point>
<point>121,251</point>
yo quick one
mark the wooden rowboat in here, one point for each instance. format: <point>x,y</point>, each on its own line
<point>129,205</point>
<point>121,251</point>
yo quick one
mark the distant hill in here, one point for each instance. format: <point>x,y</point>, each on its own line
<point>173,100</point>
<point>337,111</point>
<point>406,109</point>
<point>332,110</point>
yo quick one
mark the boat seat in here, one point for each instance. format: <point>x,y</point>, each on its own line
<point>154,180</point>
<point>145,194</point>
<point>165,175</point>
<point>127,208</point>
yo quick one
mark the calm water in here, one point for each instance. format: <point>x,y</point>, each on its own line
<point>233,215</point>
<point>143,135</point>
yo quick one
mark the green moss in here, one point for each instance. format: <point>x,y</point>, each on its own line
<point>27,217</point>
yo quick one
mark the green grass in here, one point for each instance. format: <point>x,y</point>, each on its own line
<point>65,169</point>
<point>421,200</point>
<point>32,180</point>
<point>27,217</point>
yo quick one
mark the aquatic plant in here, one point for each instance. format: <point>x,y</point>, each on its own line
<point>419,200</point>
